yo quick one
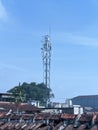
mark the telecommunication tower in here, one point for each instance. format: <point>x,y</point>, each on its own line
<point>46,57</point>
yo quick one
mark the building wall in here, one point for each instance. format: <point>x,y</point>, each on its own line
<point>6,97</point>
<point>86,101</point>
<point>78,109</point>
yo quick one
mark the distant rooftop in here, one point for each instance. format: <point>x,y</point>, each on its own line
<point>84,96</point>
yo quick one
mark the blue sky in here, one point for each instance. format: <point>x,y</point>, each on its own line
<point>74,38</point>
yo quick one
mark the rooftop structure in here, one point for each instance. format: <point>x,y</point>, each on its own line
<point>8,97</point>
<point>86,101</point>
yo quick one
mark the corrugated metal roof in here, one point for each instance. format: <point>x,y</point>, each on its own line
<point>86,96</point>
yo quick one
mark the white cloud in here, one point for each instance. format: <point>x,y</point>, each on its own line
<point>82,40</point>
<point>10,66</point>
<point>3,12</point>
<point>75,39</point>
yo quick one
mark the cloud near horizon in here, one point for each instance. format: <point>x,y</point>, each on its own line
<point>3,12</point>
<point>82,40</point>
<point>11,67</point>
<point>75,39</point>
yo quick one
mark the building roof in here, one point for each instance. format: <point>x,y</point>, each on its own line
<point>5,93</point>
<point>21,107</point>
<point>68,116</point>
<point>86,96</point>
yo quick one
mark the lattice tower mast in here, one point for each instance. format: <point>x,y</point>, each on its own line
<point>46,57</point>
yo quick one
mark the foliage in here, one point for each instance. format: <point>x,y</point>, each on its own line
<point>28,92</point>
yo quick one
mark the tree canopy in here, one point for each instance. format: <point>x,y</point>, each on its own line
<point>31,91</point>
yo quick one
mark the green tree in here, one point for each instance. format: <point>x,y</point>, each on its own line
<point>19,96</point>
<point>32,91</point>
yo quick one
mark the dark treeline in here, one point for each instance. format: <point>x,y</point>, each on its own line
<point>31,91</point>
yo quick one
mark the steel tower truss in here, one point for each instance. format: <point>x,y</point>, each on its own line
<point>46,56</point>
